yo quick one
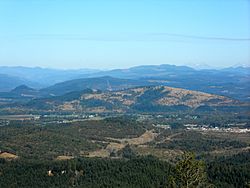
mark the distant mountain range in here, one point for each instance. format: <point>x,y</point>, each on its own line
<point>231,82</point>
<point>43,77</point>
<point>8,82</point>
<point>105,83</point>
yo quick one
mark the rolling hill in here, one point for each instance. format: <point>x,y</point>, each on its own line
<point>21,92</point>
<point>230,82</point>
<point>8,82</point>
<point>100,83</point>
<point>140,99</point>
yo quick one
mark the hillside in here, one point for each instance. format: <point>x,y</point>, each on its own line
<point>139,99</point>
<point>8,82</point>
<point>100,83</point>
<point>231,82</point>
<point>20,92</point>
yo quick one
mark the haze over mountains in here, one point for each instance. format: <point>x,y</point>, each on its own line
<point>38,77</point>
<point>100,83</point>
<point>231,82</point>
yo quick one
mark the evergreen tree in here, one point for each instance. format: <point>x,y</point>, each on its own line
<point>189,173</point>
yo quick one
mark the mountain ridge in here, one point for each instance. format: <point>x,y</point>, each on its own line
<point>139,99</point>
<point>100,83</point>
<point>233,82</point>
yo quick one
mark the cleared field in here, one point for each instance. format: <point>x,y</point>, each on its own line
<point>19,117</point>
<point>119,144</point>
<point>64,157</point>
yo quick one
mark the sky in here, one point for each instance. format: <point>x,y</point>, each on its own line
<point>106,34</point>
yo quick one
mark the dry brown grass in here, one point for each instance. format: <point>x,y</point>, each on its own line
<point>9,156</point>
<point>176,96</point>
<point>99,153</point>
<point>64,157</point>
<point>146,137</point>
<point>164,154</point>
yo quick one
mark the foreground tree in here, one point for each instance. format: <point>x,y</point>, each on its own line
<point>189,173</point>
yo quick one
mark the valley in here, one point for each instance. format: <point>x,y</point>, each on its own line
<point>124,94</point>
<point>107,137</point>
<point>115,140</point>
<point>87,131</point>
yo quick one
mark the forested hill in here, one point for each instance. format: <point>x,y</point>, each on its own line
<point>100,83</point>
<point>139,99</point>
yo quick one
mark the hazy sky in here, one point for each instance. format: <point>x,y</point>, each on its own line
<point>123,33</point>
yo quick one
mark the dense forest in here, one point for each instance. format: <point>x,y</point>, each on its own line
<point>120,151</point>
<point>135,172</point>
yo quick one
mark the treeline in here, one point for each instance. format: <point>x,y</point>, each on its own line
<point>187,141</point>
<point>143,172</point>
<point>82,172</point>
<point>47,142</point>
<point>232,171</point>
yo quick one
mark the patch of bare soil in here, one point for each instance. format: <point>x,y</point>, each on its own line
<point>8,156</point>
<point>146,137</point>
<point>64,157</point>
<point>230,151</point>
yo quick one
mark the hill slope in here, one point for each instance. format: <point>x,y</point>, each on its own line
<point>140,99</point>
<point>8,82</point>
<point>232,82</point>
<point>99,83</point>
